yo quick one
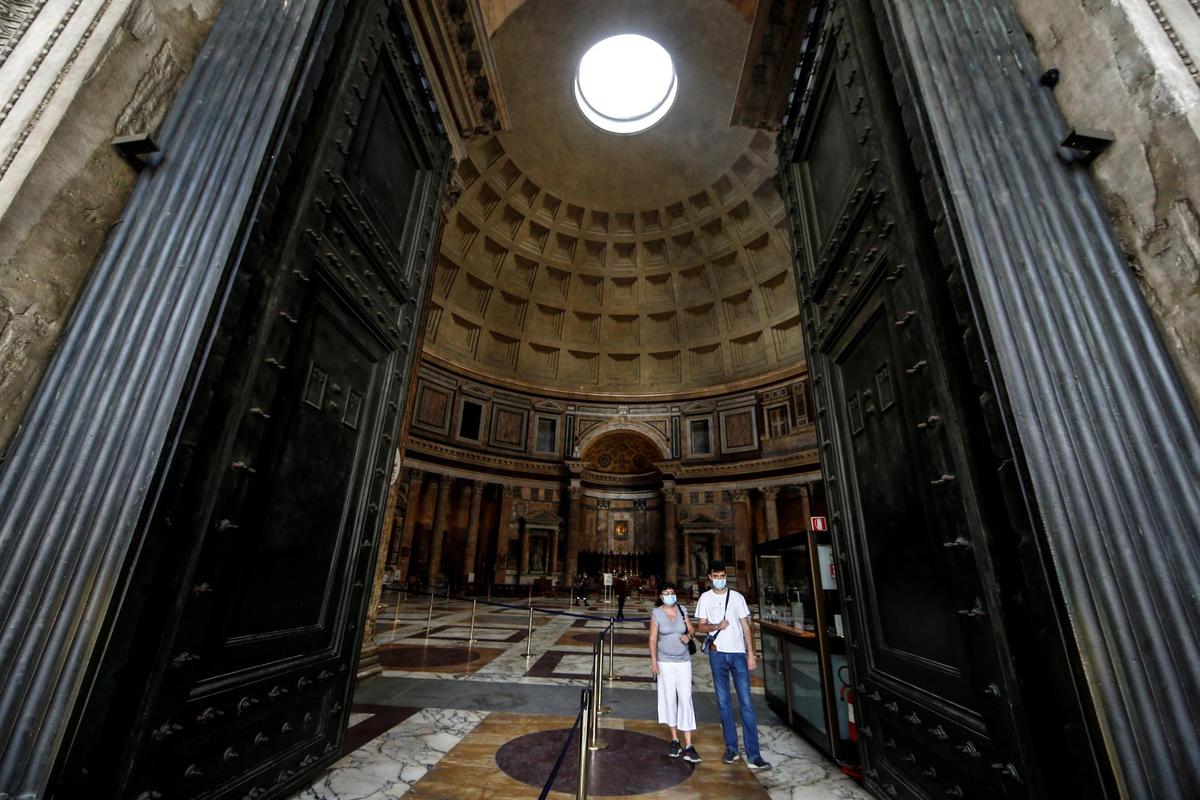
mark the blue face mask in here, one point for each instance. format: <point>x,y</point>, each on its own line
<point>668,599</point>
<point>718,583</point>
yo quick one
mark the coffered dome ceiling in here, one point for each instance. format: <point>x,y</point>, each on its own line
<point>578,261</point>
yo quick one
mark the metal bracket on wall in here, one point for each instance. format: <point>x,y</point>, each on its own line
<point>134,147</point>
<point>1086,144</point>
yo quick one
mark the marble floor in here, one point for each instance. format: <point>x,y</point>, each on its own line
<point>452,718</point>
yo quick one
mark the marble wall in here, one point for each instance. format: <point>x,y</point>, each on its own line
<point>73,75</point>
<point>1131,67</point>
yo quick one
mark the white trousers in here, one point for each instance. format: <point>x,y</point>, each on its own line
<point>675,695</point>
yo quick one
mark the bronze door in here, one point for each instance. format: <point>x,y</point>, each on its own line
<point>232,665</point>
<point>930,660</point>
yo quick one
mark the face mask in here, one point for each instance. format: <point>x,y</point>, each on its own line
<point>718,583</point>
<point>668,599</point>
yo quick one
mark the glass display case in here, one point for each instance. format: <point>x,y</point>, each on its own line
<point>805,675</point>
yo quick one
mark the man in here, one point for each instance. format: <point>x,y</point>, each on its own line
<point>581,589</point>
<point>731,654</point>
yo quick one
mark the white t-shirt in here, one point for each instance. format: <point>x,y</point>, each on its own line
<point>711,608</point>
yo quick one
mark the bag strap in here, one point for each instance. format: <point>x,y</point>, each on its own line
<point>725,613</point>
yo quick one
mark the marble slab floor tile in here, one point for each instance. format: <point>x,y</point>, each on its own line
<point>799,771</point>
<point>387,767</point>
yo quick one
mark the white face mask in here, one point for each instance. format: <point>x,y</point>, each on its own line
<point>668,599</point>
<point>718,583</point>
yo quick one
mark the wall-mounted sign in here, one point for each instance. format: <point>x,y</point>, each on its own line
<point>818,524</point>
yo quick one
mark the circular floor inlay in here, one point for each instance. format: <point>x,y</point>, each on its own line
<point>633,763</point>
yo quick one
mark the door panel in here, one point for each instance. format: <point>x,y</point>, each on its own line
<point>237,645</point>
<point>915,627</point>
<point>320,428</point>
<point>927,660</point>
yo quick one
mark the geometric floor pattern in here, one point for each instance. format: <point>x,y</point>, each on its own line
<point>455,719</point>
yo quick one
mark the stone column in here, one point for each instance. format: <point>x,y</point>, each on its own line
<point>552,567</point>
<point>670,543</point>
<point>505,533</point>
<point>525,543</point>
<point>805,508</point>
<point>368,658</point>
<point>770,496</point>
<point>412,510</point>
<point>574,531</point>
<point>438,535</point>
<point>742,549</point>
<point>473,528</point>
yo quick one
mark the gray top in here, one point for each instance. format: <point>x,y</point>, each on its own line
<point>669,631</point>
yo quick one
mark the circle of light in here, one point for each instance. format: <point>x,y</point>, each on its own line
<point>625,83</point>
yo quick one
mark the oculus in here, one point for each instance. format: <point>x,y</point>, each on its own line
<point>626,83</point>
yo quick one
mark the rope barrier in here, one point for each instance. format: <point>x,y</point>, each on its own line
<point>562,754</point>
<point>540,609</point>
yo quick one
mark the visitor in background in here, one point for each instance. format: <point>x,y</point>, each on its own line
<point>730,655</point>
<point>581,587</point>
<point>622,590</point>
<point>670,660</point>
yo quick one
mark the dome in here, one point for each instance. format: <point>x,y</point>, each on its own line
<point>579,262</point>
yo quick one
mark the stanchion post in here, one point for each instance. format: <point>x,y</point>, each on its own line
<point>600,707</point>
<point>471,635</point>
<point>612,649</point>
<point>529,635</point>
<point>429,617</point>
<point>489,597</point>
<point>531,594</point>
<point>395,619</point>
<point>584,730</point>
<point>596,743</point>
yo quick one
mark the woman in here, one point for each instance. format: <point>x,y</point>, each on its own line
<point>670,632</point>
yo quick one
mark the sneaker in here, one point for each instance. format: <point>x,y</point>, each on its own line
<point>757,763</point>
<point>730,757</point>
<point>691,756</point>
<point>675,749</point>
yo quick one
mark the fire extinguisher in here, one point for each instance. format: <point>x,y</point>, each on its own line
<point>847,695</point>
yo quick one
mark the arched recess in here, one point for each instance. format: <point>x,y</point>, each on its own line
<point>622,512</point>
<point>656,437</point>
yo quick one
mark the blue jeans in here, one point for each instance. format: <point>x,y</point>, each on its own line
<point>725,665</point>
